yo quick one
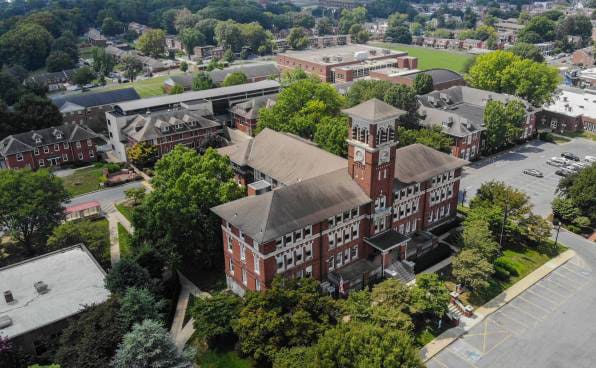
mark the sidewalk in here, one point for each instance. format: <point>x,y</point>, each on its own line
<point>449,336</point>
<point>179,331</point>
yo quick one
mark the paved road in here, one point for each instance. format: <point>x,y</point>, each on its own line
<point>508,167</point>
<point>550,325</point>
<point>107,197</point>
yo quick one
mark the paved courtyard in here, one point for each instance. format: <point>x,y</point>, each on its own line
<point>513,336</point>
<point>508,167</point>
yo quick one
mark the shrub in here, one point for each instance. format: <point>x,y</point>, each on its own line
<point>548,247</point>
<point>547,137</point>
<point>507,266</point>
<point>501,273</point>
<point>112,167</point>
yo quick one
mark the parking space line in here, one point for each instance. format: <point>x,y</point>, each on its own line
<point>436,359</point>
<point>557,304</point>
<point>511,330</point>
<point>499,343</point>
<point>548,290</point>
<point>558,283</point>
<point>514,320</point>
<point>461,357</point>
<point>526,313</point>
<point>584,277</point>
<point>561,274</point>
<point>536,305</point>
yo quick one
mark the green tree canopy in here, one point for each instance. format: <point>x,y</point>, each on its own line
<point>149,345</point>
<point>190,38</point>
<point>297,39</point>
<point>527,51</point>
<point>152,43</point>
<point>365,89</point>
<point>433,138</point>
<point>580,188</point>
<point>27,44</point>
<point>202,81</point>
<point>131,66</point>
<point>59,60</point>
<point>234,78</point>
<point>423,83</point>
<point>175,218</point>
<point>31,205</point>
<point>139,304</point>
<point>142,154</point>
<point>213,317</point>
<point>472,269</point>
<point>95,238</point>
<point>83,76</point>
<point>32,112</point>
<point>503,122</point>
<point>126,274</point>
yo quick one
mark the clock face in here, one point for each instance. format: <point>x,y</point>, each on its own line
<point>359,155</point>
<point>384,156</point>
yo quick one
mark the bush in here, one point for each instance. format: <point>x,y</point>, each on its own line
<point>507,266</point>
<point>547,137</point>
<point>112,167</point>
<point>501,273</point>
<point>548,247</point>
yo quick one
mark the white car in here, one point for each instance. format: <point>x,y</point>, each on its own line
<point>590,158</point>
<point>560,160</point>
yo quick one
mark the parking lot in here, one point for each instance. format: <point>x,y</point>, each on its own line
<point>508,336</point>
<point>509,166</point>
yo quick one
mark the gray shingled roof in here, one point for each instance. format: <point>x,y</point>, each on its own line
<point>268,216</point>
<point>250,70</point>
<point>23,142</point>
<point>184,80</point>
<point>97,98</point>
<point>438,75</point>
<point>147,127</point>
<point>250,109</point>
<point>374,110</point>
<point>417,163</point>
<point>285,157</point>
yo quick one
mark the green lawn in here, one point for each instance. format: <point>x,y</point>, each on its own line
<point>229,359</point>
<point>583,134</point>
<point>525,260</point>
<point>124,240</point>
<point>429,58</point>
<point>125,210</point>
<point>145,87</point>
<point>83,181</point>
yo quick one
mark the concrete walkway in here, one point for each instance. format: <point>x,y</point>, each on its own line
<point>451,335</point>
<point>114,217</point>
<point>181,332</point>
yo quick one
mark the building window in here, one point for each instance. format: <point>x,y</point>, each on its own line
<point>42,163</point>
<point>289,259</point>
<point>80,155</point>
<point>46,149</point>
<point>65,144</point>
<point>308,271</point>
<point>338,260</point>
<point>257,285</point>
<point>308,251</point>
<point>331,263</point>
<point>19,156</point>
<point>230,244</point>
<point>78,144</point>
<point>279,243</point>
<point>279,259</point>
<point>354,252</point>
<point>298,235</point>
<point>307,231</point>
<point>346,256</point>
<point>56,147</point>
<point>355,231</point>
<point>231,266</point>
<point>346,235</point>
<point>257,265</point>
<point>298,255</point>
<point>331,240</point>
<point>244,278</point>
<point>242,253</point>
<point>65,157</point>
<point>36,151</point>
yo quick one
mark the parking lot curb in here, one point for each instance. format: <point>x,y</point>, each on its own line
<point>446,338</point>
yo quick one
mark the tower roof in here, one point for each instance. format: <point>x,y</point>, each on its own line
<point>374,110</point>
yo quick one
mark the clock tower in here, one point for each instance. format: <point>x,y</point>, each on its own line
<point>371,155</point>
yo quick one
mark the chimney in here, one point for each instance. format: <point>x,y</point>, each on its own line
<point>8,297</point>
<point>258,188</point>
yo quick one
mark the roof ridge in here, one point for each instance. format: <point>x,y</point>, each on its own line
<point>268,211</point>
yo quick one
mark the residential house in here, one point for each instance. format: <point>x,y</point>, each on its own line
<point>139,28</point>
<point>583,57</point>
<point>343,222</point>
<point>55,81</point>
<point>459,110</point>
<point>95,38</point>
<point>43,293</point>
<point>50,147</point>
<point>245,115</point>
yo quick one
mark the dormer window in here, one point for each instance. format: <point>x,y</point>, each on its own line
<point>57,134</point>
<point>37,138</point>
<point>165,129</point>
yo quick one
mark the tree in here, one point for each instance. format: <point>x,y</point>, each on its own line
<point>358,33</point>
<point>497,193</point>
<point>213,317</point>
<point>67,43</point>
<point>92,339</point>
<point>530,80</point>
<point>297,357</point>
<point>136,195</point>
<point>229,55</point>
<point>184,66</point>
<point>331,134</point>
<point>103,63</point>
<point>126,274</point>
<point>352,345</point>
<point>486,72</point>
<point>400,34</point>
<point>527,51</point>
<point>190,38</point>
<point>83,76</point>
<point>290,76</point>
<point>228,35</point>
<point>431,137</point>
<point>290,313</point>
<point>176,89</point>
<point>254,35</point>
<point>430,296</point>
<point>542,26</point>
<point>149,345</point>
<point>111,27</point>
<point>202,81</point>
<point>176,218</point>
<point>142,154</point>
<point>472,269</point>
<point>404,98</point>
<point>10,88</point>
<point>423,83</point>
<point>392,293</point>
<point>27,44</point>
<point>324,26</point>
<point>365,89</point>
<point>59,60</point>
<point>207,28</point>
<point>140,304</point>
<point>152,43</point>
<point>350,17</point>
<point>564,209</point>
<point>297,39</point>
<point>32,112</point>
<point>31,205</point>
<point>580,189</point>
<point>478,236</point>
<point>86,232</point>
<point>131,66</point>
<point>503,123</point>
<point>234,78</point>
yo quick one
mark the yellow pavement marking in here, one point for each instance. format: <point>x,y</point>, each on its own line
<point>536,305</point>
<point>499,343</point>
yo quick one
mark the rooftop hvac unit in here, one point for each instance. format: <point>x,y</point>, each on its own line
<point>361,55</point>
<point>5,321</point>
<point>41,287</point>
<point>8,297</point>
<point>326,59</point>
<point>386,51</point>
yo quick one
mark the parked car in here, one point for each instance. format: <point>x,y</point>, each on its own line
<point>533,172</point>
<point>572,168</point>
<point>561,160</point>
<point>590,158</point>
<point>581,165</point>
<point>554,163</point>
<point>570,156</point>
<point>563,172</point>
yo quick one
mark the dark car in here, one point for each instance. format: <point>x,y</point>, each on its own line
<point>570,156</point>
<point>563,172</point>
<point>533,172</point>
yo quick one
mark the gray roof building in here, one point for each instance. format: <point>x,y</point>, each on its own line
<point>149,127</point>
<point>48,289</point>
<point>416,163</point>
<point>374,110</point>
<point>440,76</point>
<point>86,100</point>
<point>24,142</point>
<point>261,70</point>
<point>250,109</point>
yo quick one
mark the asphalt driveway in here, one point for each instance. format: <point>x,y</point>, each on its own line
<point>509,166</point>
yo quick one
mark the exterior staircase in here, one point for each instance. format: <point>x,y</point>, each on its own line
<point>455,311</point>
<point>400,271</point>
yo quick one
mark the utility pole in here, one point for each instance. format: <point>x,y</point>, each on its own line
<point>558,224</point>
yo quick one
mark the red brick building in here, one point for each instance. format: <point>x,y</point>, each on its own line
<point>459,111</point>
<point>245,115</point>
<point>309,216</point>
<point>50,147</point>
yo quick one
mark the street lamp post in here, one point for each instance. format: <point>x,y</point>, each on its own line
<point>558,224</point>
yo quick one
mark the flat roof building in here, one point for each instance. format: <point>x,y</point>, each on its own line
<point>42,292</point>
